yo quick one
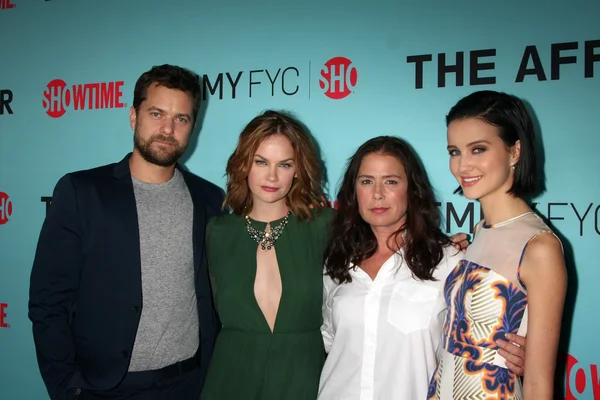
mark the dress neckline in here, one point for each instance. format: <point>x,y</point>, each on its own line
<point>506,222</point>
<point>255,221</point>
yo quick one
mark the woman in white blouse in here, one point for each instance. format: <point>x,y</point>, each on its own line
<point>387,261</point>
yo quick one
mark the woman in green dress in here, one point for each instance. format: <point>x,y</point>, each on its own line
<point>266,264</point>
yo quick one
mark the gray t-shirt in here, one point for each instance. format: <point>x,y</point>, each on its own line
<point>168,331</point>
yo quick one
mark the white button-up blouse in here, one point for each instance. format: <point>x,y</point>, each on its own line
<point>382,335</point>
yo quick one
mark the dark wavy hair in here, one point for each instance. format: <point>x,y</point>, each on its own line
<point>307,192</point>
<point>353,240</point>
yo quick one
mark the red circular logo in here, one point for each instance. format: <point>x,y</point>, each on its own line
<point>56,98</point>
<point>338,78</point>
<point>577,378</point>
<point>5,208</point>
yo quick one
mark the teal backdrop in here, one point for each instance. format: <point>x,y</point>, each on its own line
<point>349,69</point>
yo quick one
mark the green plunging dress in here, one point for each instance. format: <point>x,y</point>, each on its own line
<point>250,362</point>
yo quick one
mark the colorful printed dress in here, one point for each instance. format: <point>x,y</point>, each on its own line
<point>485,299</point>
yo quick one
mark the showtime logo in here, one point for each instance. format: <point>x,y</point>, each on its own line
<point>3,307</point>
<point>6,4</point>
<point>338,78</point>
<point>88,96</point>
<point>5,208</point>
<point>585,379</point>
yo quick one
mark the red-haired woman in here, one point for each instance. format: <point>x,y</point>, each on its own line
<point>266,263</point>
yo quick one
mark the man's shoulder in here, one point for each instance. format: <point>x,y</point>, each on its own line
<point>212,194</point>
<point>96,172</point>
<point>202,183</point>
<point>90,176</point>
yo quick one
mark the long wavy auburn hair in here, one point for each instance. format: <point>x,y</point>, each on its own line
<point>307,191</point>
<point>352,239</point>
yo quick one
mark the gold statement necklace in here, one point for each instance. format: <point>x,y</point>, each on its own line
<point>266,239</point>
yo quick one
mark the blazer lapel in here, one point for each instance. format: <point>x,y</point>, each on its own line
<point>121,201</point>
<point>199,221</point>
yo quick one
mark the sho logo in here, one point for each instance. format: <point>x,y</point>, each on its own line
<point>6,4</point>
<point>583,378</point>
<point>338,78</point>
<point>5,208</point>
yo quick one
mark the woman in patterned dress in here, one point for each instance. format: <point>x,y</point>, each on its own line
<point>512,278</point>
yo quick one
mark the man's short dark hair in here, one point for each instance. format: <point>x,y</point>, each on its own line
<point>172,77</point>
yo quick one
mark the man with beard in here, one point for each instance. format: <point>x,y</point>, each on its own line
<point>120,298</point>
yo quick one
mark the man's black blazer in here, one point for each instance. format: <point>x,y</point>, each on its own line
<point>85,296</point>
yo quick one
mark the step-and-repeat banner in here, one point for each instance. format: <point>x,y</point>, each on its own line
<point>350,70</point>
